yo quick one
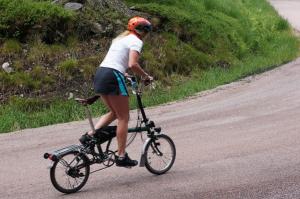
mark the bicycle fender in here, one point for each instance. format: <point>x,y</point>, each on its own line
<point>56,155</point>
<point>143,156</point>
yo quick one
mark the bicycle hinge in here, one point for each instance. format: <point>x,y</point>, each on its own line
<point>89,115</point>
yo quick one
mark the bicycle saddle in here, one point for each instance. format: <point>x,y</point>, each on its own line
<point>87,101</point>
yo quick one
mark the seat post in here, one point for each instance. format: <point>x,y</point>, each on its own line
<point>89,115</point>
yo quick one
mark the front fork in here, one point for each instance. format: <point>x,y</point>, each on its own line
<point>151,138</point>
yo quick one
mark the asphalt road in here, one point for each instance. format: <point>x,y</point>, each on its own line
<point>237,141</point>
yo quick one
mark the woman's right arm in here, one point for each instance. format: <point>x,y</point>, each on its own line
<point>133,64</point>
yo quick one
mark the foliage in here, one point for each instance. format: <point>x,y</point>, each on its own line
<point>68,68</point>
<point>41,53</point>
<point>19,17</point>
<point>11,46</point>
<point>225,32</point>
<point>88,67</point>
<point>172,56</point>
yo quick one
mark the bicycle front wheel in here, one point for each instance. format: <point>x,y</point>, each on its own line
<point>70,173</point>
<point>160,154</point>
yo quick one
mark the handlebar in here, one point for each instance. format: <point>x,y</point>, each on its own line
<point>135,86</point>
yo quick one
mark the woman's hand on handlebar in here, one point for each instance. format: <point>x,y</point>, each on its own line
<point>147,80</point>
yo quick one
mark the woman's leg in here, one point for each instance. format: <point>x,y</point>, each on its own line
<point>106,119</point>
<point>120,106</point>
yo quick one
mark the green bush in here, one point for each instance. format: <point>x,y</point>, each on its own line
<point>11,46</point>
<point>38,72</point>
<point>26,81</point>
<point>18,17</point>
<point>68,68</point>
<point>18,65</point>
<point>21,80</point>
<point>220,32</point>
<point>41,53</point>
<point>165,55</point>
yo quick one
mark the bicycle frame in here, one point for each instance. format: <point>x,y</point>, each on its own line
<point>145,120</point>
<point>76,168</point>
<point>148,127</point>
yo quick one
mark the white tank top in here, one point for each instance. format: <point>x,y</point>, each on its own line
<point>118,53</point>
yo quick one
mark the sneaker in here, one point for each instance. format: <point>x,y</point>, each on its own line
<point>125,161</point>
<point>85,139</point>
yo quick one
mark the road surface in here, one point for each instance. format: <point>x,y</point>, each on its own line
<point>237,141</point>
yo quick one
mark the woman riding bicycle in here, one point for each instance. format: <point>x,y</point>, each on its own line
<point>109,83</point>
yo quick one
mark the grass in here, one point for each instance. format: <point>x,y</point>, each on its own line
<point>17,17</point>
<point>11,46</point>
<point>199,45</point>
<point>68,67</point>
<point>209,33</point>
<point>30,113</point>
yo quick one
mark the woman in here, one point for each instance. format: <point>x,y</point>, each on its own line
<point>109,83</point>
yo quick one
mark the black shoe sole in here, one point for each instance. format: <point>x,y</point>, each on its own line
<point>126,166</point>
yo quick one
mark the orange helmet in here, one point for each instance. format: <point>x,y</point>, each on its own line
<point>139,24</point>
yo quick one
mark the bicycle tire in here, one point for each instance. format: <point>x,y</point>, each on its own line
<point>155,150</point>
<point>70,172</point>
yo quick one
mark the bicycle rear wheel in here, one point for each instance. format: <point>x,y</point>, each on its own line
<point>70,173</point>
<point>160,154</point>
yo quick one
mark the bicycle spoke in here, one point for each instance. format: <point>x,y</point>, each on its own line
<point>68,180</point>
<point>64,163</point>
<point>77,183</point>
<point>160,155</point>
<point>162,160</point>
<point>70,174</point>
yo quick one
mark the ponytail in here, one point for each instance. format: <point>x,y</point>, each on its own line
<point>123,34</point>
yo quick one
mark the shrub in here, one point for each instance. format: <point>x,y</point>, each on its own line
<point>282,25</point>
<point>226,32</point>
<point>11,46</point>
<point>29,104</point>
<point>88,67</point>
<point>88,71</point>
<point>18,17</point>
<point>18,65</point>
<point>38,72</point>
<point>41,53</point>
<point>19,80</point>
<point>68,67</point>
